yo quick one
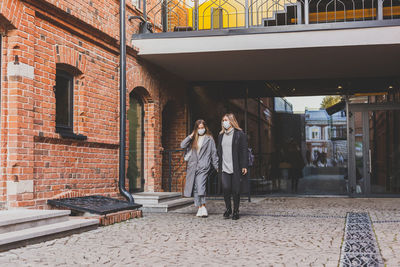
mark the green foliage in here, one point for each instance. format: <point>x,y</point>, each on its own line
<point>329,101</point>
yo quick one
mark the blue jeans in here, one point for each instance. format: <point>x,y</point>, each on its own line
<point>198,200</point>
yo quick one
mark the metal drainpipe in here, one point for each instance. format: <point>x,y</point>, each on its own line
<point>122,89</point>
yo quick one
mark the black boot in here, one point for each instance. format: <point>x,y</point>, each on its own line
<point>228,206</point>
<point>236,202</point>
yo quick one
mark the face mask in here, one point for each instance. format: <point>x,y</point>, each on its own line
<point>201,131</point>
<point>226,124</point>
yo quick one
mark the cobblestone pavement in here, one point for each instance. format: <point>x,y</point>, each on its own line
<point>271,232</point>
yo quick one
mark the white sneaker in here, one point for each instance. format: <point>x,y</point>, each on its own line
<point>204,212</point>
<point>200,212</point>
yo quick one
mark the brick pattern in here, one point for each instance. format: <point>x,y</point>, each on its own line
<point>11,11</point>
<point>18,109</point>
<point>179,15</point>
<point>119,217</point>
<point>30,148</point>
<point>173,132</point>
<point>101,15</point>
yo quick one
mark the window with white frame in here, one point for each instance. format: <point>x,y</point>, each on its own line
<point>315,133</point>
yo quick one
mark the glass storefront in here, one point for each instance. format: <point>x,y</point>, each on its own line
<point>311,156</point>
<point>377,148</point>
<point>319,151</point>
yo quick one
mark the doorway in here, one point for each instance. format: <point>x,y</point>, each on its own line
<point>135,115</point>
<point>374,149</point>
<point>298,148</point>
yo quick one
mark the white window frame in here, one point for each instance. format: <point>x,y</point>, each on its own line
<point>317,130</point>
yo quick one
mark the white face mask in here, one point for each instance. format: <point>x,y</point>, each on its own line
<point>201,131</point>
<point>226,124</point>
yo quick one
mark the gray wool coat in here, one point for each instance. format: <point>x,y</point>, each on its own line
<point>199,165</point>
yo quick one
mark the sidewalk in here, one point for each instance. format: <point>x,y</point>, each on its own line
<point>271,232</point>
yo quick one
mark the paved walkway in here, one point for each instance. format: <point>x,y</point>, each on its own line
<point>271,232</point>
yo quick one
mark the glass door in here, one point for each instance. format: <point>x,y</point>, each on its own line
<point>374,149</point>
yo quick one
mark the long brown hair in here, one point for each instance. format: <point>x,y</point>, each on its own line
<point>195,133</point>
<point>232,120</point>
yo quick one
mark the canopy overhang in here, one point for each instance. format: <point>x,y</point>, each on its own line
<point>320,53</point>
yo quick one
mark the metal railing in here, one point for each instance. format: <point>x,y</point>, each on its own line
<point>261,174</point>
<point>193,15</point>
<point>174,170</point>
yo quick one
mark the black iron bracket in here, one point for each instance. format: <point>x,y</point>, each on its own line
<point>144,26</point>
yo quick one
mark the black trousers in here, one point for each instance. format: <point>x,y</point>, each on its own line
<point>231,187</point>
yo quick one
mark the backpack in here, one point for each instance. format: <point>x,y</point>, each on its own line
<point>251,157</point>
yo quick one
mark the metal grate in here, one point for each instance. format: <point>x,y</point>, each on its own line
<point>94,204</point>
<point>360,247</point>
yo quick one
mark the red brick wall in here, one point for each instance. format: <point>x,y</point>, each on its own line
<point>102,15</point>
<point>179,15</point>
<point>174,131</point>
<point>31,150</point>
<point>10,13</point>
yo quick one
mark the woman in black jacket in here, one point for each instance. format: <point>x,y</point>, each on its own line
<point>233,163</point>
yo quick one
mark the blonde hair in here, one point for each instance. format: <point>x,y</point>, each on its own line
<point>196,135</point>
<point>232,120</point>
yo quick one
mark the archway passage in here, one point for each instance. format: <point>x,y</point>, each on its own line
<point>135,115</point>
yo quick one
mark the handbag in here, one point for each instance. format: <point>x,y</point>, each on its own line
<point>187,154</point>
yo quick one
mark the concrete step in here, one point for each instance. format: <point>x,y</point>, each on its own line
<point>42,233</point>
<point>152,198</point>
<point>19,219</point>
<point>168,205</point>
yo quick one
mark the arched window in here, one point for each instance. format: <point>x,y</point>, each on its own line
<point>135,116</point>
<point>63,90</point>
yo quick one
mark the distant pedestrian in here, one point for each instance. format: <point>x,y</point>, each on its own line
<point>201,155</point>
<point>308,157</point>
<point>233,163</point>
<point>296,162</point>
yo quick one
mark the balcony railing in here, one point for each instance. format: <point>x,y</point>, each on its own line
<point>193,15</point>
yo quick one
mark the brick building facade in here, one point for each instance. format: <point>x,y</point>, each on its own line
<point>39,41</point>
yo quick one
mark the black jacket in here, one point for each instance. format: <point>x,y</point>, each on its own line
<point>240,157</point>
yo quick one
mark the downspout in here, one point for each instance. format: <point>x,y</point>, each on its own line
<point>122,104</point>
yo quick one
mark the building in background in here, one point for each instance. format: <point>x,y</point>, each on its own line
<point>326,137</point>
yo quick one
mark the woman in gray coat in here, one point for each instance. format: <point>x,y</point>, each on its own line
<point>201,155</point>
